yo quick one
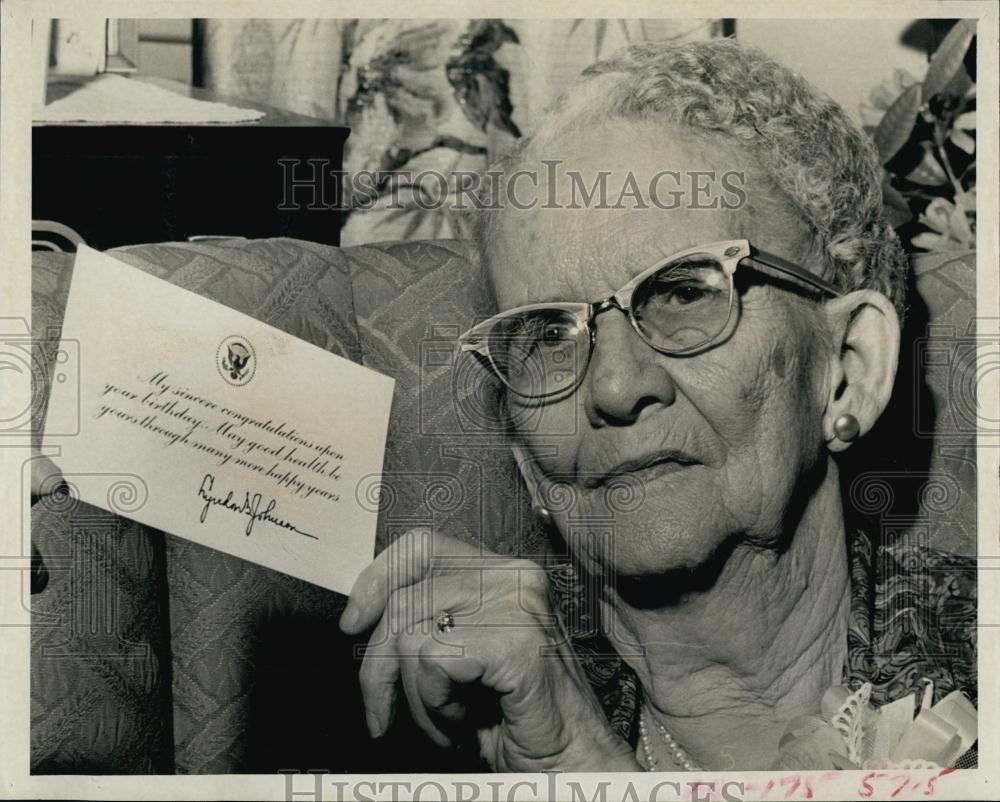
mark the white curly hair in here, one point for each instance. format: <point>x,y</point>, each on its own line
<point>824,166</point>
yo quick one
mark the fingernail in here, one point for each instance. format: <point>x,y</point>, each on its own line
<point>374,727</point>
<point>350,617</point>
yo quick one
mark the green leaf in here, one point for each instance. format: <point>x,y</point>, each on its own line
<point>893,198</point>
<point>948,58</point>
<point>960,84</point>
<point>897,218</point>
<point>897,124</point>
<point>894,204</point>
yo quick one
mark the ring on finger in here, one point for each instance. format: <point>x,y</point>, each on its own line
<point>444,621</point>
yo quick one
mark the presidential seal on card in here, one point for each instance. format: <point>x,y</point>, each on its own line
<point>236,360</point>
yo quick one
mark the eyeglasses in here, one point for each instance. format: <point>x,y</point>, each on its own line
<point>681,306</point>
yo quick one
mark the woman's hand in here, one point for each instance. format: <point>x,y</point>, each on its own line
<point>504,669</point>
<point>45,476</point>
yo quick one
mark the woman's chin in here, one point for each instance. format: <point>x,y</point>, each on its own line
<point>635,550</point>
<point>667,567</point>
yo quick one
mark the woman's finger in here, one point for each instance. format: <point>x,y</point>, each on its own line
<point>470,667</point>
<point>406,561</point>
<point>444,674</point>
<point>424,687</point>
<point>45,476</point>
<point>440,685</point>
<point>402,563</point>
<point>407,612</point>
<point>378,676</point>
<point>408,617</point>
<point>487,604</point>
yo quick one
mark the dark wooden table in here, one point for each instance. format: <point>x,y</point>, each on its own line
<point>128,184</point>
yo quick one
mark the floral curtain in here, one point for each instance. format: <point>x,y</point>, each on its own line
<point>441,95</point>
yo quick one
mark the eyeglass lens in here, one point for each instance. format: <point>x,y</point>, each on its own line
<point>539,352</point>
<point>683,305</point>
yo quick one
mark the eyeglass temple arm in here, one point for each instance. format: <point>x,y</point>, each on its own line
<point>791,269</point>
<point>475,338</point>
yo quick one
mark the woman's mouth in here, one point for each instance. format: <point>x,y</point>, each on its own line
<point>648,467</point>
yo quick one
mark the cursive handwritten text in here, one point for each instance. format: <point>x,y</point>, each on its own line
<point>251,506</point>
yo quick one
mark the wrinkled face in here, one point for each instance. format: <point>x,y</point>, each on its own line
<point>712,446</point>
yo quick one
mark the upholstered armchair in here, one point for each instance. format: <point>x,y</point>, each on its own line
<point>151,654</point>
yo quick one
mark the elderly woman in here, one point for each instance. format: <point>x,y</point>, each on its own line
<point>684,360</point>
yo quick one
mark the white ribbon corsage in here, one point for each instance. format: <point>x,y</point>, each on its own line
<point>851,733</point>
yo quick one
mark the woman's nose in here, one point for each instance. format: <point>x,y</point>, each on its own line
<point>625,375</point>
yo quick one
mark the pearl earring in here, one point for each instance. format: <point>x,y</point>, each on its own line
<point>846,427</point>
<point>542,514</point>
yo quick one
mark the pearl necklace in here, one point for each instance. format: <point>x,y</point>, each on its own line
<point>682,758</point>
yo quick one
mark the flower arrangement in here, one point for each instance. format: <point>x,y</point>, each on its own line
<point>925,135</point>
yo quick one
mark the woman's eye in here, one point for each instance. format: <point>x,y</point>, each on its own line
<point>687,295</point>
<point>530,333</point>
<point>553,334</point>
<point>683,294</point>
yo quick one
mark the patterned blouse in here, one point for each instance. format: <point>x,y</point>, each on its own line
<point>913,616</point>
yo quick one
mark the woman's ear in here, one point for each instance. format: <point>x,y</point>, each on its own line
<point>865,330</point>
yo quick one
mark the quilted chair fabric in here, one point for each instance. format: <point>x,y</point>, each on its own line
<point>188,660</point>
<point>253,674</point>
<point>946,350</point>
<point>100,683</point>
<point>913,477</point>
